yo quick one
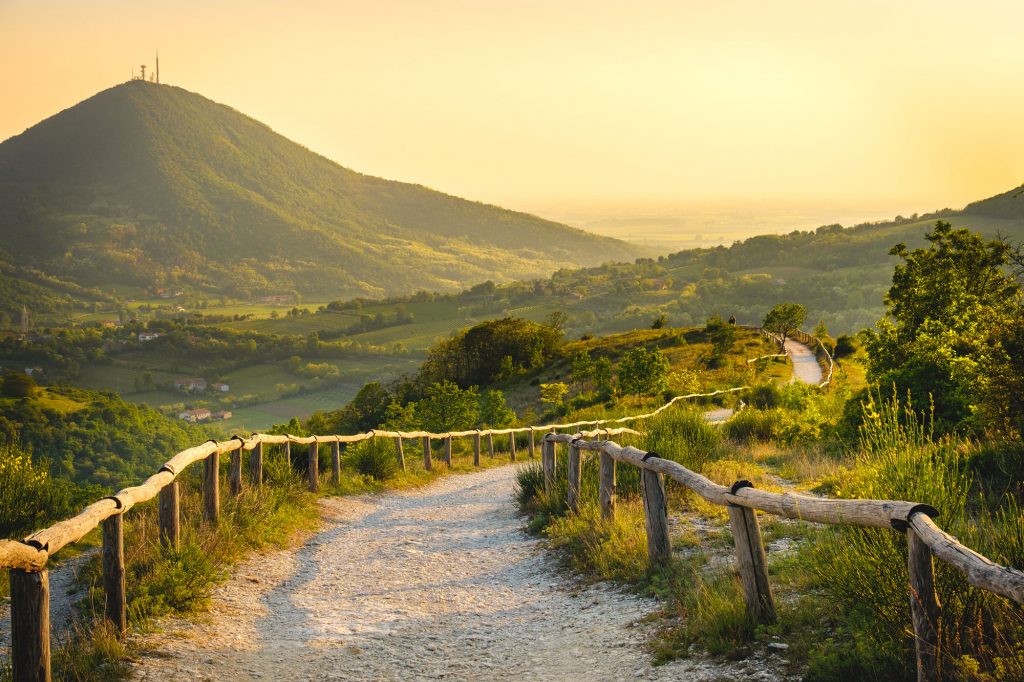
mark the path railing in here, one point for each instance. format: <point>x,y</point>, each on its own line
<point>925,539</point>
<point>27,559</point>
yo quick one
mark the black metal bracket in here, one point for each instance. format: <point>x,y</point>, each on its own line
<point>650,455</point>
<point>902,525</point>
<point>739,485</point>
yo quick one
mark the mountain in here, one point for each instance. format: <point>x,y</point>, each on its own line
<point>146,185</point>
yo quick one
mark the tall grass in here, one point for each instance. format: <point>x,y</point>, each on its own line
<point>864,570</point>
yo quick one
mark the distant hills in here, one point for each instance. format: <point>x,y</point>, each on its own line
<point>145,186</point>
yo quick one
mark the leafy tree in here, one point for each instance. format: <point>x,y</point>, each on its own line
<point>949,327</point>
<point>659,321</point>
<point>446,407</point>
<point>643,371</point>
<point>494,411</point>
<point>469,358</point>
<point>17,385</point>
<point>553,394</point>
<point>367,410</point>
<point>557,320</point>
<point>784,318</point>
<point>604,374</point>
<point>721,335</point>
<point>582,369</point>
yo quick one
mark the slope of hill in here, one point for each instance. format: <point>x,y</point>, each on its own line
<point>840,274</point>
<point>147,185</point>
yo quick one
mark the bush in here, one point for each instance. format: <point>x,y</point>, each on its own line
<point>374,458</point>
<point>846,345</point>
<point>684,436</point>
<point>752,426</point>
<point>765,396</point>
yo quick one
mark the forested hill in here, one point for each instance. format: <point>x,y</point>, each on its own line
<point>150,186</point>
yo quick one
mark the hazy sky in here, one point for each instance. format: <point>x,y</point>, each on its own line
<point>536,104</point>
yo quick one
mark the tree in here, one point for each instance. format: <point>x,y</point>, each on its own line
<point>643,371</point>
<point>553,394</point>
<point>446,407</point>
<point>17,385</point>
<point>721,335</point>
<point>582,369</point>
<point>948,334</point>
<point>494,411</point>
<point>604,373</point>
<point>557,320</point>
<point>659,321</point>
<point>367,410</point>
<point>783,319</point>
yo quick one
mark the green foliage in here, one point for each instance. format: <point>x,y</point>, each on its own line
<point>604,374</point>
<point>582,369</point>
<point>643,372</point>
<point>784,318</point>
<point>106,441</point>
<point>468,359</point>
<point>721,335</point>
<point>446,407</point>
<point>900,460</point>
<point>846,345</point>
<point>753,426</point>
<point>17,385</point>
<point>494,411</point>
<point>683,435</point>
<point>375,458</point>
<point>950,326</point>
<point>30,497</point>
<point>553,394</point>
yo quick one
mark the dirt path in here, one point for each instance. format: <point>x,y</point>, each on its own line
<point>437,582</point>
<point>805,365</point>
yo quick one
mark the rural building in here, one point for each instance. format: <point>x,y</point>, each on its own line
<point>226,414</point>
<point>220,386</point>
<point>190,385</point>
<point>148,336</point>
<point>198,415</point>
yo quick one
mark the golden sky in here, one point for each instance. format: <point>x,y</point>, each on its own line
<point>530,103</point>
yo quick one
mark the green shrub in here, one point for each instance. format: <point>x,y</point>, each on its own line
<point>765,396</point>
<point>684,436</point>
<point>752,426</point>
<point>374,458</point>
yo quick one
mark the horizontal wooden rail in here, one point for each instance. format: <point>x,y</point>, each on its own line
<point>925,538</point>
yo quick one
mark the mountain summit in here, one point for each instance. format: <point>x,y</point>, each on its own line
<point>150,185</point>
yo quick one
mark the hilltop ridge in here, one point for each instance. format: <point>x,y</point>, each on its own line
<point>147,185</point>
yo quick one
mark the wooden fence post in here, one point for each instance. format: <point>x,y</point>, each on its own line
<point>288,453</point>
<point>606,490</point>
<point>211,487</point>
<point>533,446</point>
<point>256,465</point>
<point>924,607</point>
<point>235,477</point>
<point>659,549</point>
<point>512,446</point>
<point>115,606</point>
<point>752,563</point>
<point>448,451</point>
<point>426,454</point>
<point>575,478</point>
<point>490,445</point>
<point>30,625</point>
<point>336,461</point>
<point>170,516</point>
<point>314,466</point>
<point>547,453</point>
<point>401,452</point>
<point>476,448</point>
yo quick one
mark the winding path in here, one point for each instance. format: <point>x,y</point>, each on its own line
<point>438,582</point>
<point>806,368</point>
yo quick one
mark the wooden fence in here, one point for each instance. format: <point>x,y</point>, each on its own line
<point>925,539</point>
<point>27,559</point>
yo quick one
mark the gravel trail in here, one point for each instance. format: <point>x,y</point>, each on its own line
<point>424,584</point>
<point>805,365</point>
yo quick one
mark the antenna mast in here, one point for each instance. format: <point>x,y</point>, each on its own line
<point>158,67</point>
